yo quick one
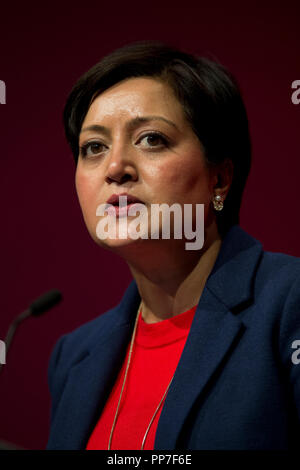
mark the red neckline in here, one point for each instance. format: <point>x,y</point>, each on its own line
<point>153,335</point>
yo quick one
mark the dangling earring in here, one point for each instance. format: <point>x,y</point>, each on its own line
<point>218,202</point>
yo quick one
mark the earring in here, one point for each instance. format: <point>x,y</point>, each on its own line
<point>218,202</point>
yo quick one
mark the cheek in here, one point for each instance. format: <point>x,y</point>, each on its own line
<point>85,191</point>
<point>189,176</point>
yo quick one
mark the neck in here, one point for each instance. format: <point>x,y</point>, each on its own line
<point>170,279</point>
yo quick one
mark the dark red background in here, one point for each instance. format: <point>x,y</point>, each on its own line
<point>44,242</point>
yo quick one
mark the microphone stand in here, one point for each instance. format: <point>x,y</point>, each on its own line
<point>38,307</point>
<point>12,329</point>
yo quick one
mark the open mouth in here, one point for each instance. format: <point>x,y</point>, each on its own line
<point>117,209</point>
<point>123,199</point>
<point>129,203</point>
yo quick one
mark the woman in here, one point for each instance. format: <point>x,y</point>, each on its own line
<point>199,352</point>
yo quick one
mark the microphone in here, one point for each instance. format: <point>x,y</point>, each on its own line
<point>35,309</point>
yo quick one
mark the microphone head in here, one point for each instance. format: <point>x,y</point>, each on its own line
<point>45,302</point>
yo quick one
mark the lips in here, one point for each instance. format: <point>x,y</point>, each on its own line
<point>114,199</point>
<point>121,211</point>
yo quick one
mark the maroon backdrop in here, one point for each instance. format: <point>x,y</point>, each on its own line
<point>44,242</point>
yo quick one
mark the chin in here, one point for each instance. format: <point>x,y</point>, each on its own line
<point>122,247</point>
<point>121,233</point>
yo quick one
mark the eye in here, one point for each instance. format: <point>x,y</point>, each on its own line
<point>91,148</point>
<point>154,140</point>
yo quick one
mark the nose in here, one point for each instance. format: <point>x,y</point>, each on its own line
<point>121,166</point>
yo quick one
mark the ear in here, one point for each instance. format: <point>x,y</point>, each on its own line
<point>223,178</point>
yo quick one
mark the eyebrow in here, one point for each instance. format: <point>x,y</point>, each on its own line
<point>130,125</point>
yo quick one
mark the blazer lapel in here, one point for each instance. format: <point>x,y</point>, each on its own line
<point>90,379</point>
<point>214,331</point>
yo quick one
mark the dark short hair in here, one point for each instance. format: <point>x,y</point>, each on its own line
<point>209,94</point>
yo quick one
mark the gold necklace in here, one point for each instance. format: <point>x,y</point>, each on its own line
<point>123,385</point>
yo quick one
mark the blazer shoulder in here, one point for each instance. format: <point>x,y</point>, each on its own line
<point>80,337</point>
<point>71,347</point>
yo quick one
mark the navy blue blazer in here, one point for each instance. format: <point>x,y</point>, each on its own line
<point>235,386</point>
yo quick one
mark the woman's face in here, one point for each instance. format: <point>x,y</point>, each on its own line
<point>142,145</point>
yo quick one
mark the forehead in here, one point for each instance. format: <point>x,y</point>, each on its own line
<point>134,97</point>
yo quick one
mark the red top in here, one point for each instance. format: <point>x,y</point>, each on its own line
<point>155,355</point>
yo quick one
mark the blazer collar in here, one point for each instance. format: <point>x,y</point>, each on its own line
<point>214,330</point>
<point>231,279</point>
